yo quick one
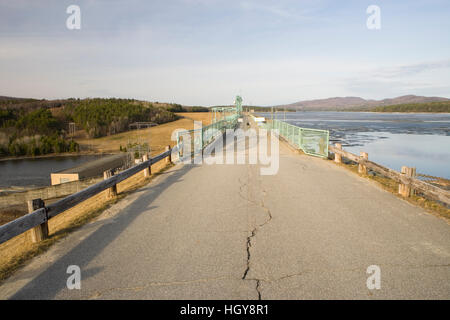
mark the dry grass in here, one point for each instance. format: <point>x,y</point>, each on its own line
<point>157,137</point>
<point>12,212</point>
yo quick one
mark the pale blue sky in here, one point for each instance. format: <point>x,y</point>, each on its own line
<point>204,52</point>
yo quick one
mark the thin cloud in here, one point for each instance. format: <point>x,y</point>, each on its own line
<point>406,70</point>
<point>400,80</point>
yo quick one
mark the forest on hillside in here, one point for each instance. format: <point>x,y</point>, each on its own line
<point>30,127</point>
<point>440,106</point>
<point>102,117</point>
<point>32,133</point>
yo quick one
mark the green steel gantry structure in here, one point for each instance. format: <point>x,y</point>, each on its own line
<point>227,113</point>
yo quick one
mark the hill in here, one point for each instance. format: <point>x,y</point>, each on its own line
<point>440,106</point>
<point>349,103</point>
<point>36,127</point>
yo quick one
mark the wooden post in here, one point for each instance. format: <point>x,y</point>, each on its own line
<point>111,192</point>
<point>181,147</point>
<point>362,169</point>
<point>413,175</point>
<point>337,156</point>
<point>401,186</point>
<point>39,232</point>
<point>147,171</point>
<point>169,158</point>
<point>403,189</point>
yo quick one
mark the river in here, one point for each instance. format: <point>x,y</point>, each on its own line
<point>420,140</point>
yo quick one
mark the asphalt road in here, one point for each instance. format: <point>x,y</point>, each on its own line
<point>227,232</point>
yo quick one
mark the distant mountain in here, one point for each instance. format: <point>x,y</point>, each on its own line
<point>348,103</point>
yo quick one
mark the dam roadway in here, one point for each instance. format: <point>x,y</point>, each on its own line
<point>227,232</point>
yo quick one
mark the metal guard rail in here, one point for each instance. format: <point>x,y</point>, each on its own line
<point>42,215</point>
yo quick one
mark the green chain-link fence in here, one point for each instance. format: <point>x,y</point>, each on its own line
<point>200,138</point>
<point>311,141</point>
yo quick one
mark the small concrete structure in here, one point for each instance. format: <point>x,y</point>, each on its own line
<point>90,169</point>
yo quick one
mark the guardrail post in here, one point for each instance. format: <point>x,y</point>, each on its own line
<point>301,138</point>
<point>413,175</point>
<point>202,142</point>
<point>111,192</point>
<point>362,169</point>
<point>180,151</point>
<point>404,189</point>
<point>147,171</point>
<point>169,157</point>
<point>40,232</point>
<point>337,156</point>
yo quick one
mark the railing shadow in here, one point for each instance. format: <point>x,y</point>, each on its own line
<point>50,282</point>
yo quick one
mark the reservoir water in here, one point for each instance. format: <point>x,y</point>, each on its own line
<point>36,172</point>
<point>420,140</point>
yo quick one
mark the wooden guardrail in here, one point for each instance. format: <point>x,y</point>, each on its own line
<point>406,178</point>
<point>39,214</point>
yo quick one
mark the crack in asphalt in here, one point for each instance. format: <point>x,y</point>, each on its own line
<point>262,205</point>
<point>258,282</point>
<point>98,294</point>
<point>249,244</point>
